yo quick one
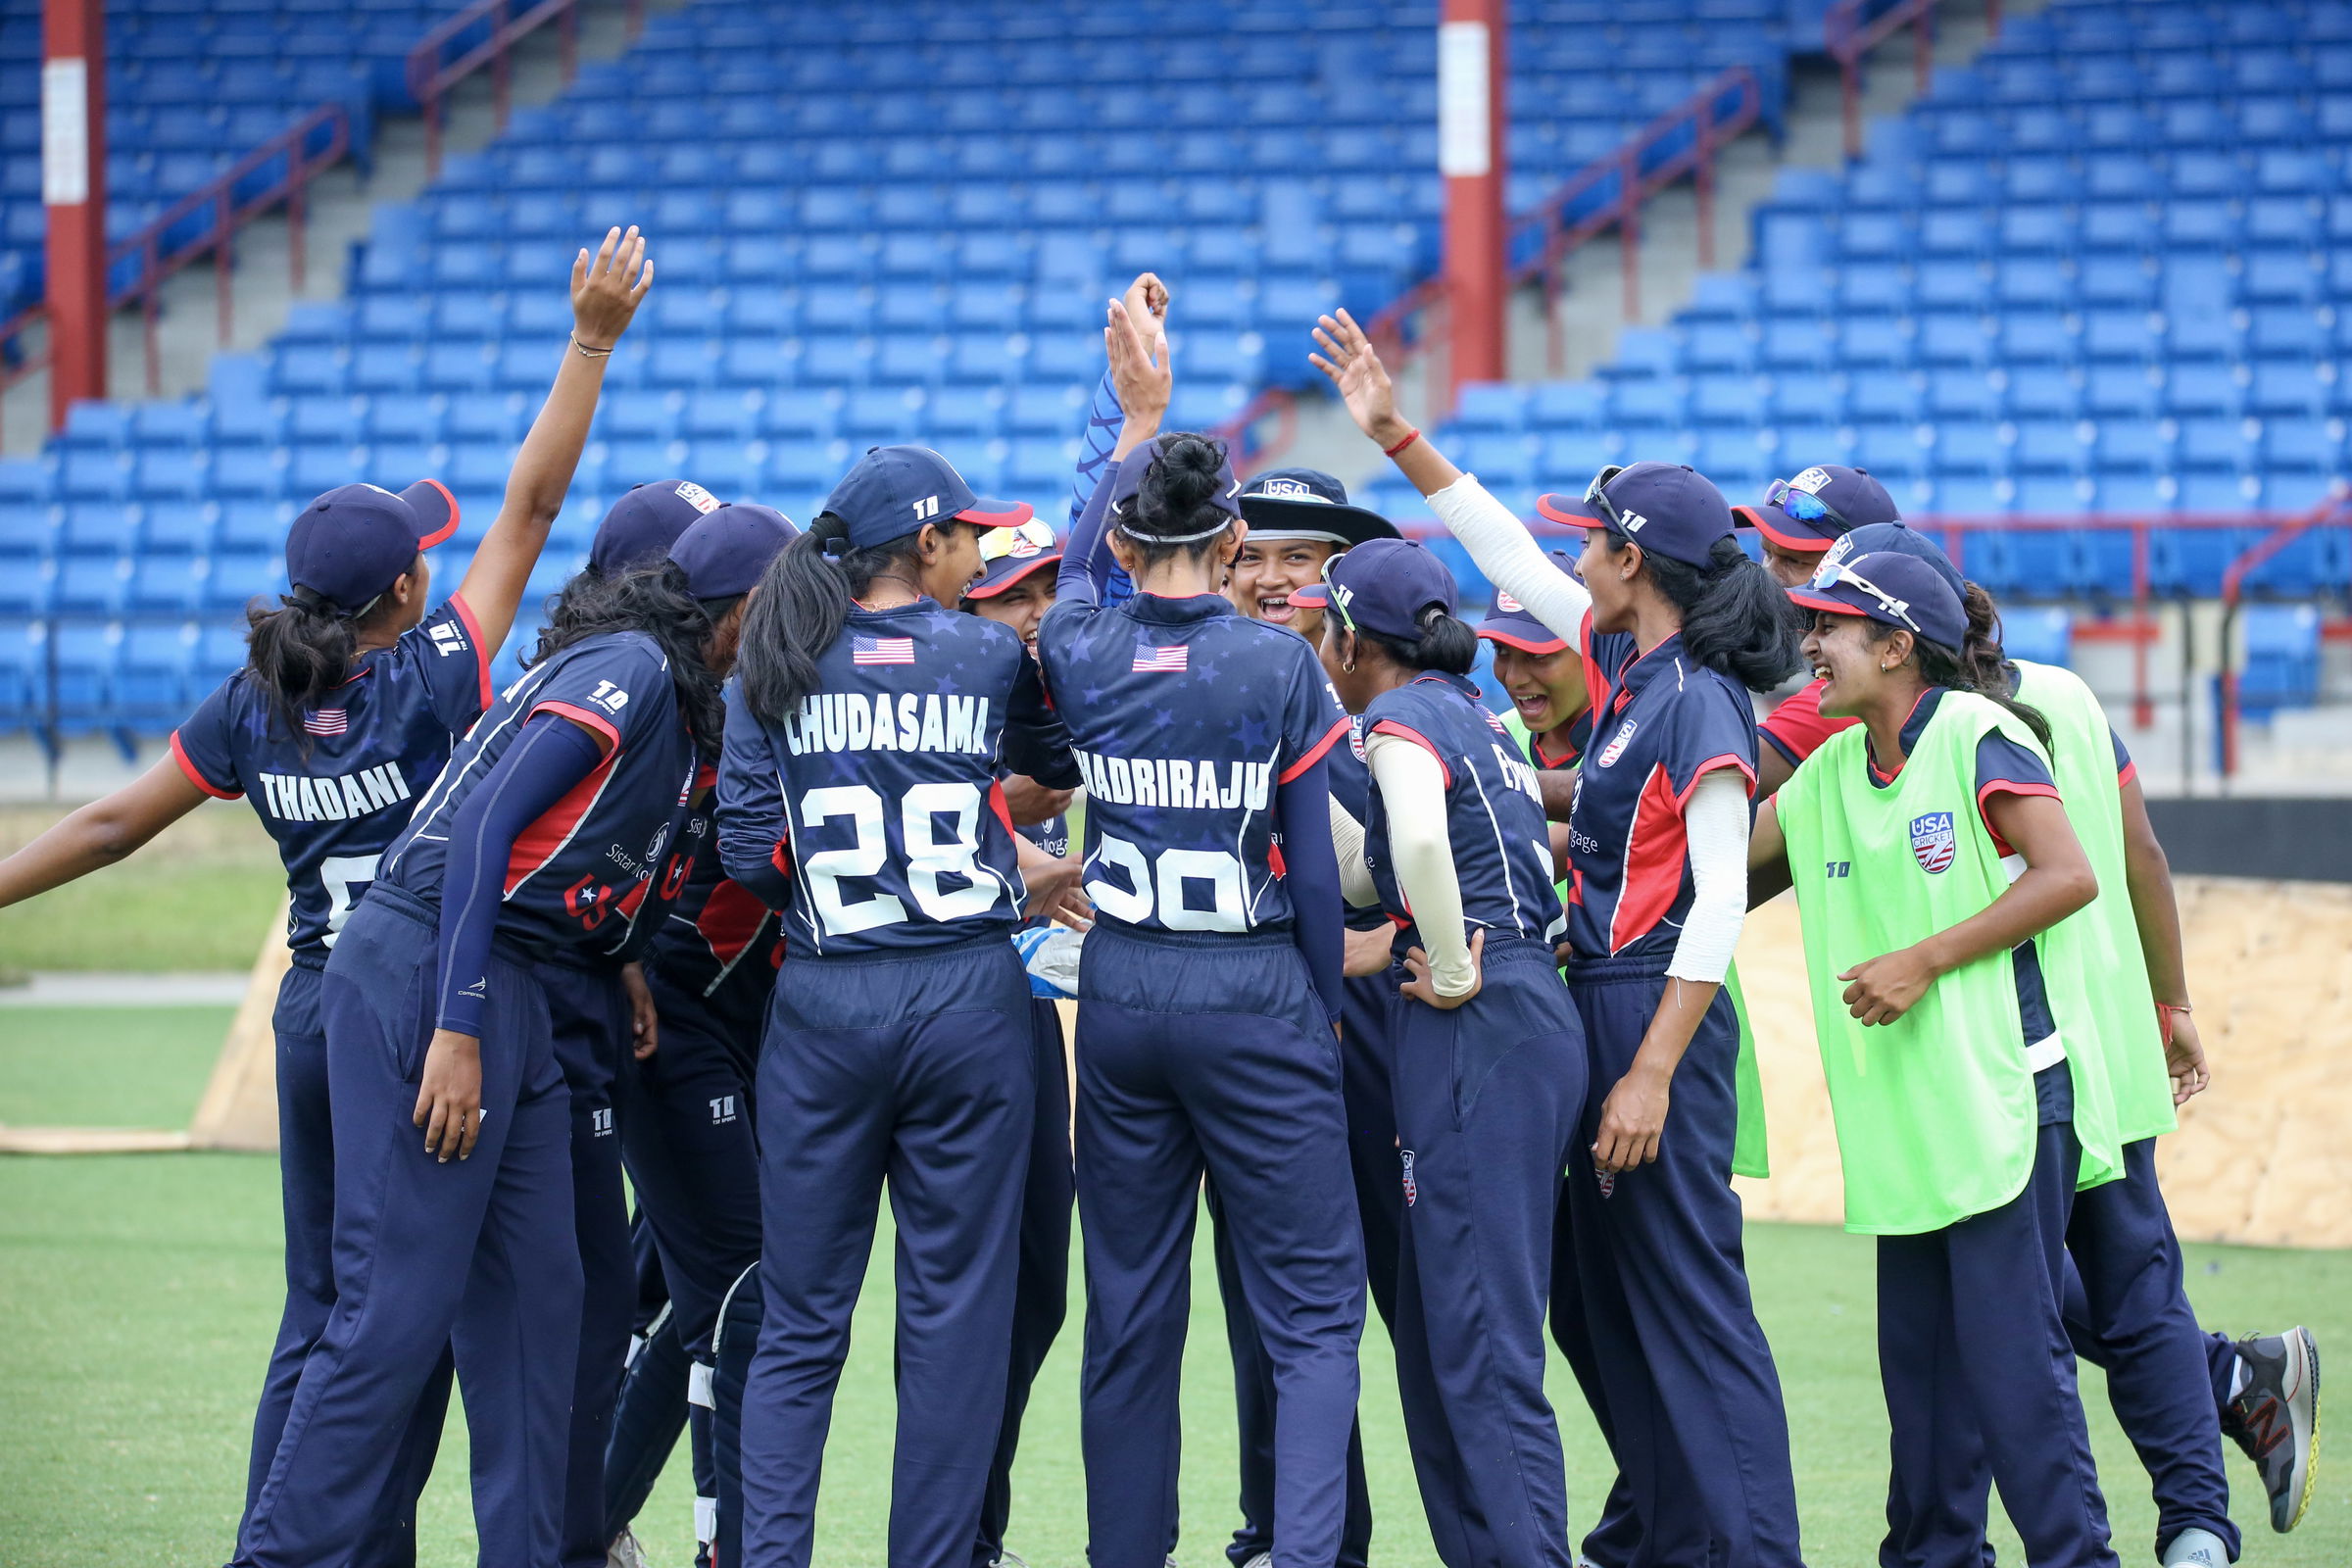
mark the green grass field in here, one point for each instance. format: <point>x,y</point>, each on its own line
<point>141,1293</point>
<point>202,895</point>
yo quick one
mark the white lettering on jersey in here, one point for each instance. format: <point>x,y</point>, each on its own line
<point>1177,783</point>
<point>333,798</point>
<point>448,638</point>
<point>909,721</point>
<point>1521,777</point>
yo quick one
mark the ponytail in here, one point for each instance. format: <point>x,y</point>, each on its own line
<point>1970,669</point>
<point>1446,644</point>
<point>1736,619</point>
<point>802,605</point>
<point>299,653</point>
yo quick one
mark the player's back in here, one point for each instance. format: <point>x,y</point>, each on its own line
<point>1186,718</point>
<point>334,792</point>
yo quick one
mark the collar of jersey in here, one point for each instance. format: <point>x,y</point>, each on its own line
<point>1461,683</point>
<point>1913,727</point>
<point>1192,607</point>
<point>858,612</point>
<point>1645,667</point>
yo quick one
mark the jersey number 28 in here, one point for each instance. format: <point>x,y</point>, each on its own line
<point>928,857</point>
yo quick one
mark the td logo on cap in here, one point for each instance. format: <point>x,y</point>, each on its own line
<point>892,491</point>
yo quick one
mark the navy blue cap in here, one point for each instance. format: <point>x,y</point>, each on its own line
<point>1382,585</point>
<point>351,544</point>
<point>645,523</point>
<point>1903,540</point>
<point>1308,504</point>
<point>1822,503</point>
<point>892,491</point>
<point>1893,589</point>
<point>1141,461</point>
<point>1670,508</point>
<point>726,552</point>
<point>1508,622</point>
<point>1008,555</point>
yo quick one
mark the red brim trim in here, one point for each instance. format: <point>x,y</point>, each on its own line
<point>1314,753</point>
<point>1569,509</point>
<point>449,510</point>
<point>1313,595</point>
<point>1809,543</point>
<point>579,715</point>
<point>482,649</point>
<point>997,513</point>
<point>1814,601</point>
<point>1405,732</point>
<point>1557,645</point>
<point>990,590</point>
<point>180,755</point>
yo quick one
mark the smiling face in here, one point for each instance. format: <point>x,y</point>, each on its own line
<point>1022,607</point>
<point>1839,651</point>
<point>951,559</point>
<point>1265,572</point>
<point>1546,689</point>
<point>1607,574</point>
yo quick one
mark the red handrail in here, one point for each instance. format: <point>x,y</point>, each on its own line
<point>1847,37</point>
<point>430,80</point>
<point>2233,583</point>
<point>229,215</point>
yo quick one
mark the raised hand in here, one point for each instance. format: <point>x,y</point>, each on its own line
<point>1146,301</point>
<point>1354,369</point>
<point>1140,371</point>
<point>606,289</point>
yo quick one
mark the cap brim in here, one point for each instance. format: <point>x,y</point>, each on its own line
<point>1527,643</point>
<point>1273,517</point>
<point>1763,520</point>
<point>1815,599</point>
<point>436,512</point>
<point>1314,595</point>
<point>989,587</point>
<point>997,513</point>
<point>1572,510</point>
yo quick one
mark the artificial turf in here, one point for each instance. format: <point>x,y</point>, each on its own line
<point>141,1293</point>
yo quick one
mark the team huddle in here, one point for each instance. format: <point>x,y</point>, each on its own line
<point>754,895</point>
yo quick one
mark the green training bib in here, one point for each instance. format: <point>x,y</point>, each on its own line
<point>1935,1112</point>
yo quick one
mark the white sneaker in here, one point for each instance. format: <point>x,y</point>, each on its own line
<point>624,1553</point>
<point>1264,1559</point>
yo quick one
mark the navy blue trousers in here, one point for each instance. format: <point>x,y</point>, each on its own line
<point>1490,1097</point>
<point>589,1013</point>
<point>1041,1295</point>
<point>471,1256</point>
<point>306,1171</point>
<point>914,1071</point>
<point>1210,1054</point>
<point>687,1141</point>
<point>1662,1283</point>
<point>1380,1203</point>
<point>1980,1375</point>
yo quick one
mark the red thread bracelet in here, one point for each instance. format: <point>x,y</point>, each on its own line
<point>1410,437</point>
<point>2163,1017</point>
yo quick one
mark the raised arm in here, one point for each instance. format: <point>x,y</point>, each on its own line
<point>1141,370</point>
<point>1146,301</point>
<point>1506,552</point>
<point>100,833</point>
<point>605,294</point>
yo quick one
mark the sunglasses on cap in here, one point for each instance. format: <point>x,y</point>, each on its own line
<point>1802,505</point>
<point>1336,596</point>
<point>1596,494</point>
<point>1025,539</point>
<point>1833,573</point>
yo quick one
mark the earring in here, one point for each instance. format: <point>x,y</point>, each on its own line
<point>1347,665</point>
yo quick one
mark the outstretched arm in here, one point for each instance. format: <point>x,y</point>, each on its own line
<point>100,833</point>
<point>605,294</point>
<point>1498,541</point>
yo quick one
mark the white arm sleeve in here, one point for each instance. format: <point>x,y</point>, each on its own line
<point>1412,786</point>
<point>1355,877</point>
<point>1511,559</point>
<point>1715,826</point>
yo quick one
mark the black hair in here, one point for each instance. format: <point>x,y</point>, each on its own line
<point>303,650</point>
<point>1175,498</point>
<point>1737,621</point>
<point>652,599</point>
<point>1445,643</point>
<point>802,605</point>
<point>1968,669</point>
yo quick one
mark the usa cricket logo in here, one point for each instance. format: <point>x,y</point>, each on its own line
<point>1355,735</point>
<point>1933,843</point>
<point>1412,1189</point>
<point>1608,1182</point>
<point>1617,743</point>
<point>1507,605</point>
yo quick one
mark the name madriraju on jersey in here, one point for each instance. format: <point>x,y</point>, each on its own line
<point>333,797</point>
<point>907,721</point>
<point>1175,781</point>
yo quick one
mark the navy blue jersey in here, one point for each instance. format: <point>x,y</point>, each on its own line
<point>715,939</point>
<point>1052,835</point>
<point>578,877</point>
<point>1494,812</point>
<point>1186,718</point>
<point>1662,721</point>
<point>880,796</point>
<point>335,795</point>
